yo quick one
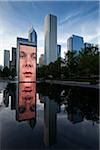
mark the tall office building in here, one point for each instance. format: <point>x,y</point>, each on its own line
<point>6,58</point>
<point>13,53</point>
<point>75,43</point>
<point>32,36</point>
<point>50,38</point>
<point>13,62</point>
<point>58,51</point>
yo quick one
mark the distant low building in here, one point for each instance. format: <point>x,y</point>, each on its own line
<point>63,62</point>
<point>1,67</point>
<point>41,60</point>
<point>87,45</point>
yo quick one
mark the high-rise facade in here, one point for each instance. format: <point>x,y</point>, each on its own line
<point>13,62</point>
<point>50,39</point>
<point>6,58</point>
<point>75,43</point>
<point>32,36</point>
<point>58,51</point>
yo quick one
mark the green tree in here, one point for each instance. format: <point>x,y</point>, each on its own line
<point>42,71</point>
<point>72,63</point>
<point>89,61</point>
<point>6,72</point>
<point>13,72</point>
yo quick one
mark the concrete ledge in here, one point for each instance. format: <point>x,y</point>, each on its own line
<point>73,83</point>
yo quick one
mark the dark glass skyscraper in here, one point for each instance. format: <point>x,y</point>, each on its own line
<point>6,58</point>
<point>75,43</point>
<point>32,36</point>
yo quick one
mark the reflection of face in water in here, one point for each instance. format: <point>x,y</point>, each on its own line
<point>27,55</point>
<point>27,101</point>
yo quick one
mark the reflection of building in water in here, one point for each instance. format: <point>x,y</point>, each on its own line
<point>6,98</point>
<point>26,107</point>
<point>13,100</point>
<point>50,121</point>
<point>59,108</point>
<point>42,98</point>
<point>32,122</point>
<point>75,116</point>
<point>10,91</point>
<point>2,105</point>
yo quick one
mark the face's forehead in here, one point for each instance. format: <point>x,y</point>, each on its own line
<point>27,49</point>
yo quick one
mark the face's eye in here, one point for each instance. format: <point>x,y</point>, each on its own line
<point>22,54</point>
<point>33,55</point>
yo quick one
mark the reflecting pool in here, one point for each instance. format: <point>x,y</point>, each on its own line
<point>44,116</point>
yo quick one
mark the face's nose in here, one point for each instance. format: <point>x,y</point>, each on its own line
<point>28,62</point>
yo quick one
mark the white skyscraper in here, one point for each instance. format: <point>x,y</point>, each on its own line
<point>6,58</point>
<point>50,45</point>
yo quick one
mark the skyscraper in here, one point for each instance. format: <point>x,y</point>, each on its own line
<point>32,36</point>
<point>50,39</point>
<point>13,62</point>
<point>6,58</point>
<point>58,51</point>
<point>75,43</point>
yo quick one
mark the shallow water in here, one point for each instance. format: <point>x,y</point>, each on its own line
<point>63,118</point>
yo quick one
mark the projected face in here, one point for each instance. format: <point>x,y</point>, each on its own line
<point>27,67</point>
<point>27,101</point>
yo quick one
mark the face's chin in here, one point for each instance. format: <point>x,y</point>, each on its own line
<point>27,79</point>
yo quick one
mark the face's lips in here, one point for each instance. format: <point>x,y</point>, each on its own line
<point>27,90</point>
<point>27,73</point>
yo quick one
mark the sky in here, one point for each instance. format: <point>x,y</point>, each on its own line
<point>73,17</point>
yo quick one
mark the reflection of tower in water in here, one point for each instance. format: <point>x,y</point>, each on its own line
<point>6,98</point>
<point>10,94</point>
<point>50,121</point>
